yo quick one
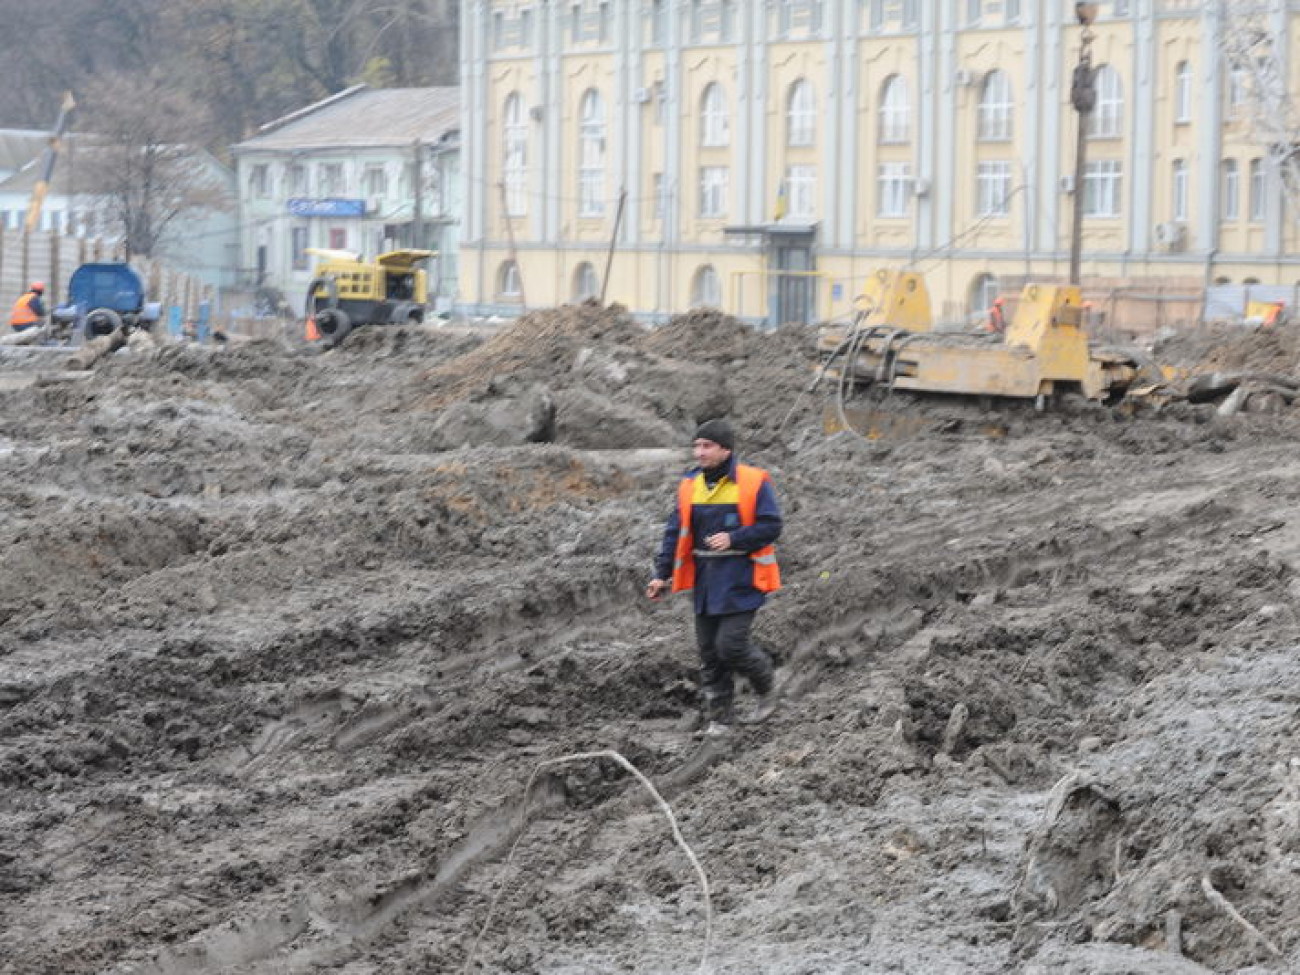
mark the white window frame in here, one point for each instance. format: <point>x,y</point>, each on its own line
<point>801,192</point>
<point>895,112</point>
<point>986,289</point>
<point>1231,190</point>
<point>1256,191</point>
<point>591,155</point>
<point>893,189</point>
<point>1106,120</point>
<point>706,288</point>
<point>1183,93</point>
<point>259,181</point>
<point>996,111</point>
<point>1180,184</point>
<point>801,115</point>
<point>331,180</point>
<point>514,153</point>
<point>1103,186</point>
<point>714,188</point>
<point>993,188</point>
<point>509,282</point>
<point>585,282</point>
<point>715,121</point>
<point>295,179</point>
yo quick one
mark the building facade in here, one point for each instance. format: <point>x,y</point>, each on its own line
<point>200,243</point>
<point>366,170</point>
<point>767,156</point>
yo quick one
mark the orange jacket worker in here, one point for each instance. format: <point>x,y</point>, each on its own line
<point>28,310</point>
<point>718,543</point>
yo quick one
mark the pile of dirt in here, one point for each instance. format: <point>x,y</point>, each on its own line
<point>309,662</point>
<point>1227,347</point>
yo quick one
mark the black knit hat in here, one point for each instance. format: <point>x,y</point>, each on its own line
<point>719,431</point>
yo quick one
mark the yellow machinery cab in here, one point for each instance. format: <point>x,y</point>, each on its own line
<point>347,292</point>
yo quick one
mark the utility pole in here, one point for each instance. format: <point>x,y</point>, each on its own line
<point>613,241</point>
<point>1083,96</point>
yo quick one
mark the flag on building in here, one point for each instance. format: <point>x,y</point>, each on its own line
<point>782,203</point>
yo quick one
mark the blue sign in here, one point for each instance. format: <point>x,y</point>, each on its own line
<point>332,207</point>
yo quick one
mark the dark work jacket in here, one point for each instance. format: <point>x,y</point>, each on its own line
<point>723,585</point>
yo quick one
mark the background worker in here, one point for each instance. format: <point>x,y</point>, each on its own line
<point>718,542</point>
<point>29,310</point>
<point>997,317</point>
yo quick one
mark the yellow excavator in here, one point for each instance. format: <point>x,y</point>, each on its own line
<point>1044,355</point>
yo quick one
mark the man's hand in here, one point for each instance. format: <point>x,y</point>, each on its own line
<point>656,588</point>
<point>719,542</point>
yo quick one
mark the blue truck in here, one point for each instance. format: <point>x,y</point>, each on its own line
<point>106,296</point>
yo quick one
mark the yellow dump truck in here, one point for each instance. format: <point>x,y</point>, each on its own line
<point>347,292</point>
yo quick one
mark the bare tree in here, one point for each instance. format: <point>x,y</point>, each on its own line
<point>145,161</point>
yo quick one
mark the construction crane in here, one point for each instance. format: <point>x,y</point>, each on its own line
<point>1258,76</point>
<point>48,158</point>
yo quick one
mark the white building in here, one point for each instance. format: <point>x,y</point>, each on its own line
<point>202,244</point>
<point>366,170</point>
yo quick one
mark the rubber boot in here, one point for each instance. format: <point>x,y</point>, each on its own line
<point>764,705</point>
<point>721,716</point>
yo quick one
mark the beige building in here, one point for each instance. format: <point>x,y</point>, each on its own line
<point>766,156</point>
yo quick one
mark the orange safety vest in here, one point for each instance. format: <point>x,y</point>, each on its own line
<point>22,313</point>
<point>767,576</point>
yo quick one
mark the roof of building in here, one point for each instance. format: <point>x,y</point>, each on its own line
<point>69,173</point>
<point>362,117</point>
<point>19,147</point>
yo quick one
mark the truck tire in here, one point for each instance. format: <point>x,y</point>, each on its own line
<point>101,321</point>
<point>333,325</point>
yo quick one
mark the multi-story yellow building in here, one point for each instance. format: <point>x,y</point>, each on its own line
<point>765,156</point>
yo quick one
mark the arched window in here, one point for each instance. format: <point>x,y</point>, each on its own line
<point>1107,118</point>
<point>715,124</point>
<point>983,290</point>
<point>585,284</point>
<point>514,153</point>
<point>591,155</point>
<point>895,112</point>
<point>1183,92</point>
<point>801,115</point>
<point>706,289</point>
<point>996,110</point>
<point>509,285</point>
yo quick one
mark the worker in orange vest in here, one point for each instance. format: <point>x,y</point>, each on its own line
<point>29,310</point>
<point>719,542</point>
<point>997,317</point>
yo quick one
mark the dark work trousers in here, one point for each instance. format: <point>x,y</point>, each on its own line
<point>725,651</point>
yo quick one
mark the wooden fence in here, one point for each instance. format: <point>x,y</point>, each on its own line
<point>52,257</point>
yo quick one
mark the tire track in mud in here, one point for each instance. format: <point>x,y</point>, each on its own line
<point>888,624</point>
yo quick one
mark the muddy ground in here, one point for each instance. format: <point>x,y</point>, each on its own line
<point>286,638</point>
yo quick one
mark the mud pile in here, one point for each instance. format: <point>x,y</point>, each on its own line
<point>286,640</point>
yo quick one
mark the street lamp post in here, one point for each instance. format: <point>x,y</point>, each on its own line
<point>1083,96</point>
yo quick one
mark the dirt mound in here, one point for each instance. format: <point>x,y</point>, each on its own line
<point>1233,348</point>
<point>285,638</point>
<point>535,348</point>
